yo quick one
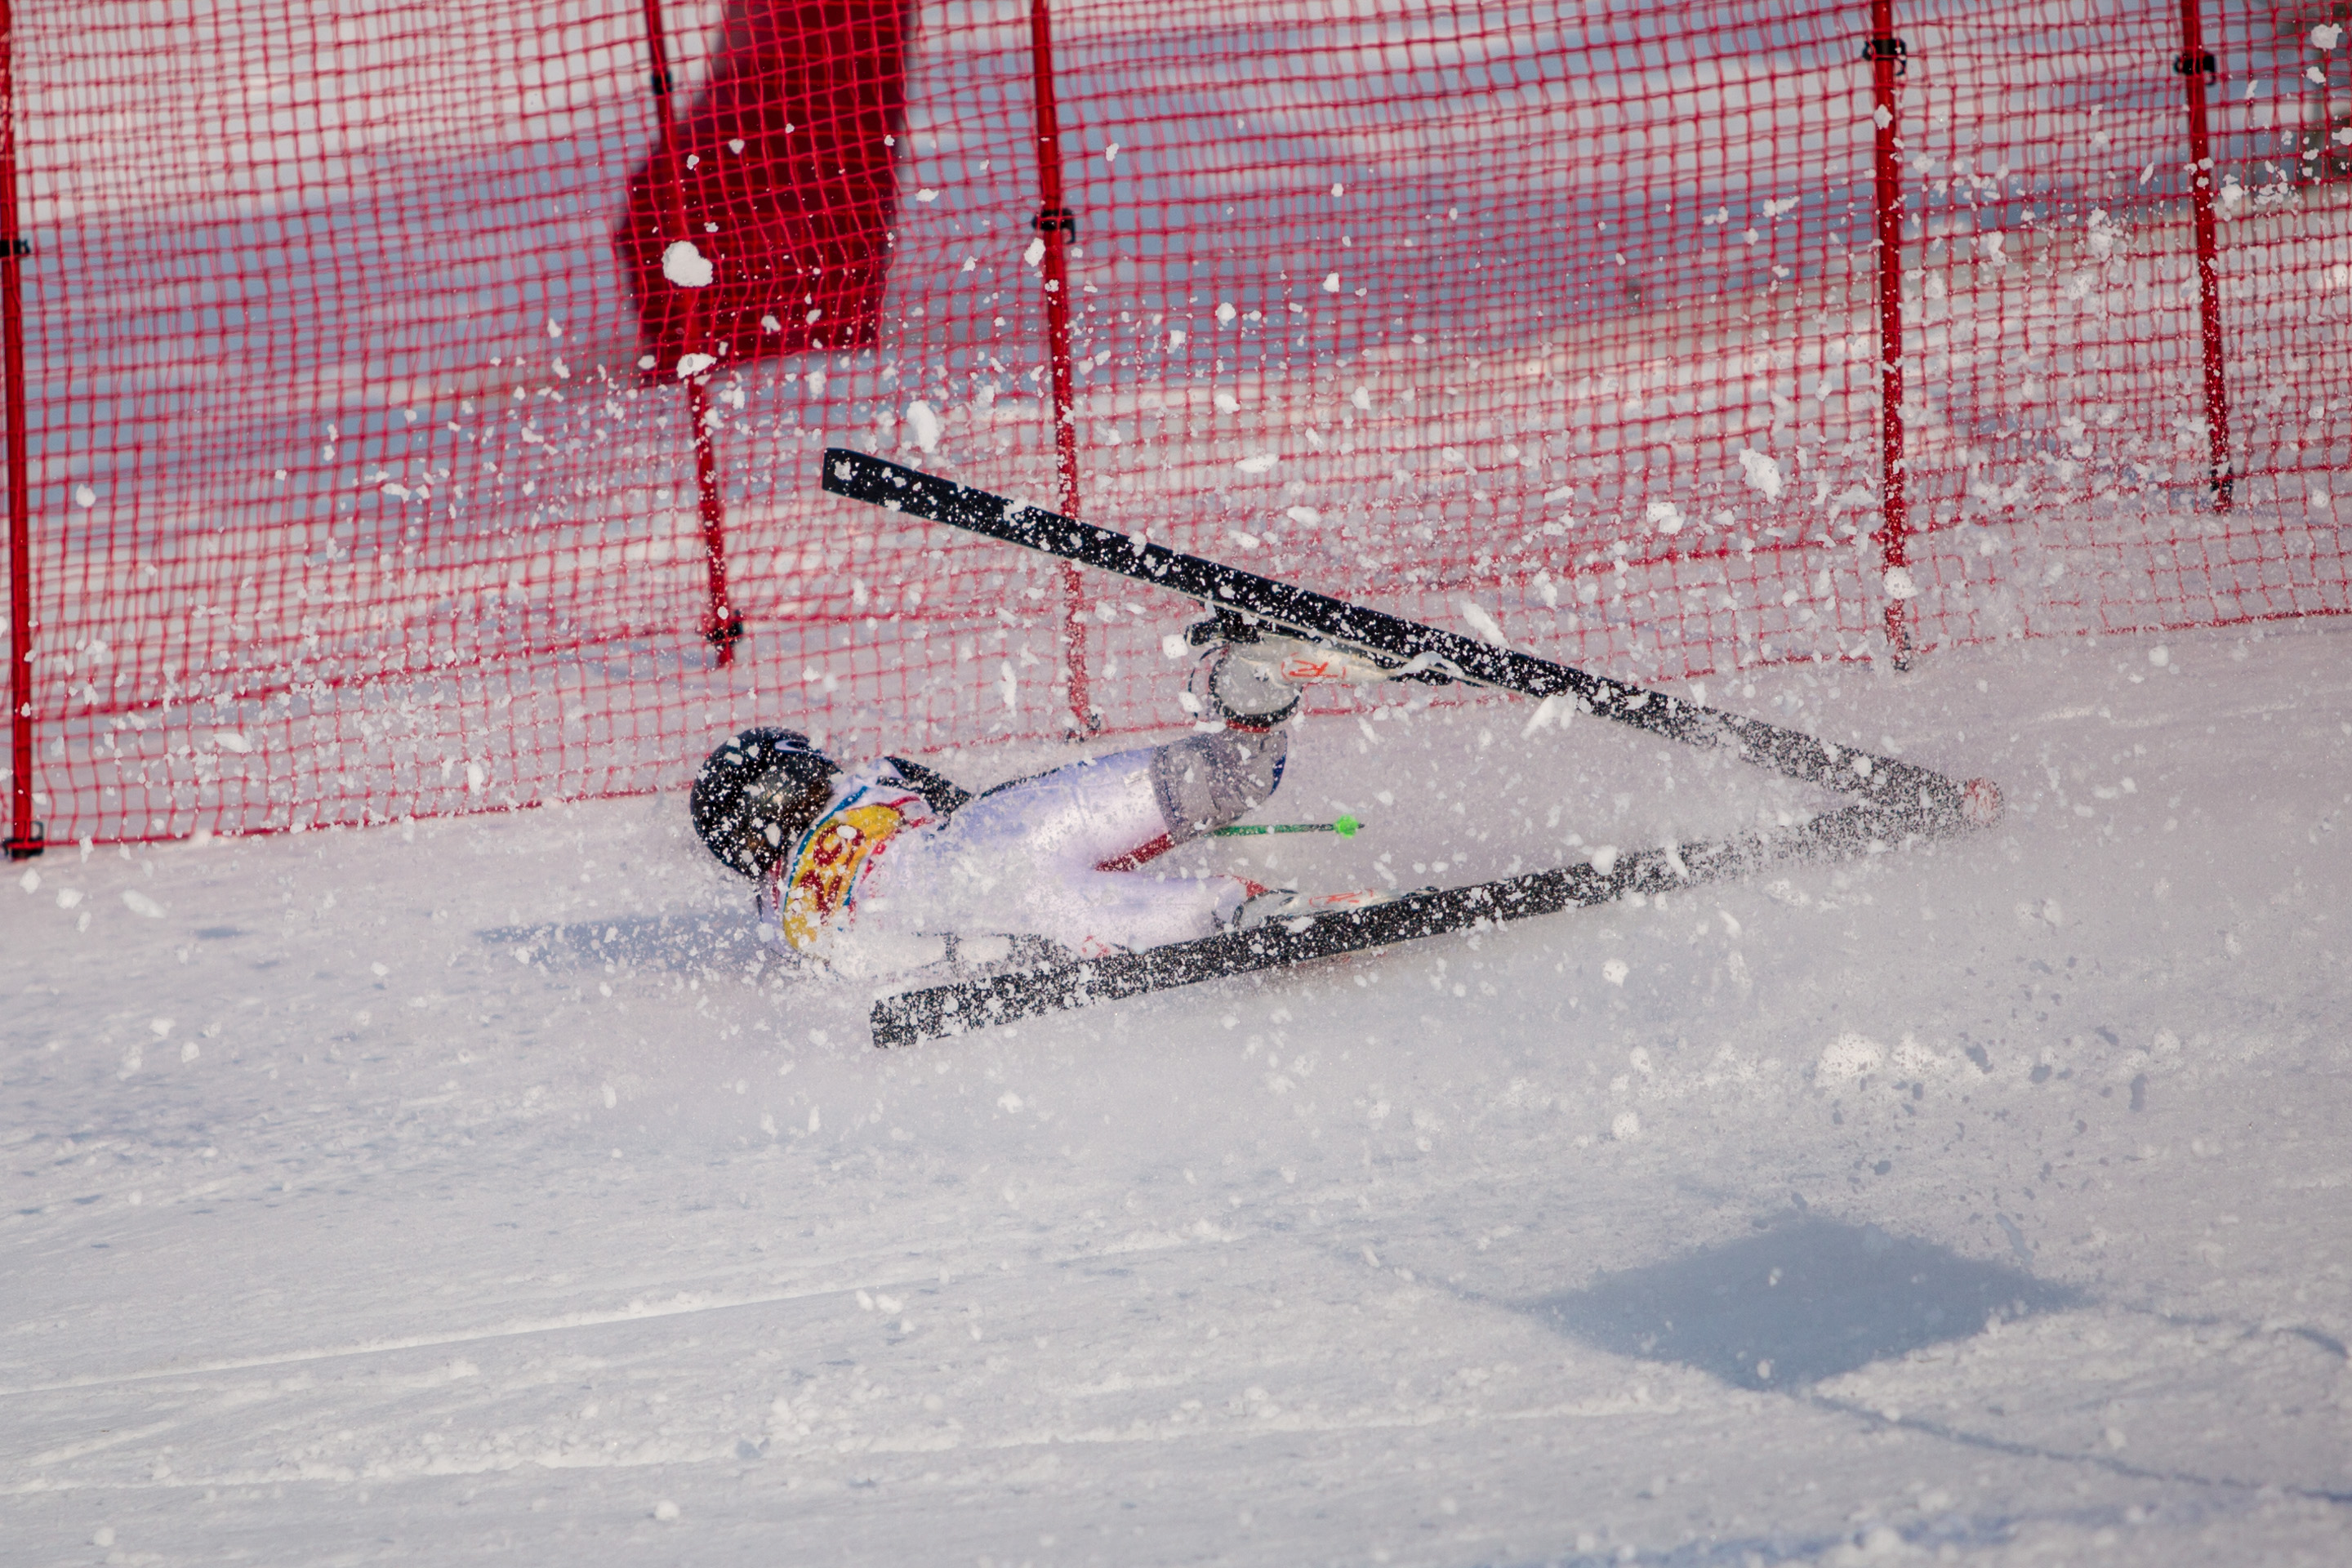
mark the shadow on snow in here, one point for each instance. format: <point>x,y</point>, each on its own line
<point>1806,1300</point>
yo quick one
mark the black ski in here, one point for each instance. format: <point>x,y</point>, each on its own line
<point>1245,599</point>
<point>934,1011</point>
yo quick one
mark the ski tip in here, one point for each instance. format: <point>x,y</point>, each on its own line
<point>842,473</point>
<point>1980,803</point>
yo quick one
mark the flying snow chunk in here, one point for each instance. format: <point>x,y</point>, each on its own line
<point>85,497</point>
<point>1665,517</point>
<point>685,266</point>
<point>691,365</point>
<point>1763,472</point>
<point>1258,462</point>
<point>1549,711</point>
<point>2326,35</point>
<point>1605,858</point>
<point>1304,514</point>
<point>1036,253</point>
<point>232,741</point>
<point>923,424</point>
<point>139,903</point>
<point>1330,283</point>
<point>1488,628</point>
<point>1614,971</point>
<point>1848,1055</point>
<point>1362,398</point>
<point>1899,584</point>
<point>1225,313</point>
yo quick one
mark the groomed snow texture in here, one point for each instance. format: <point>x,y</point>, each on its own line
<point>476,1191</point>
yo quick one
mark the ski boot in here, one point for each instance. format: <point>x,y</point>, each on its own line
<point>1251,678</point>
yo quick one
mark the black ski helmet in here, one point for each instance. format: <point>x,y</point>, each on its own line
<point>758,792</point>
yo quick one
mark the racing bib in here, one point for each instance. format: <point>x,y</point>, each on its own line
<point>824,878</point>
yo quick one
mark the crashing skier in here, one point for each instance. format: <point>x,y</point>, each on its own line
<point>889,865</point>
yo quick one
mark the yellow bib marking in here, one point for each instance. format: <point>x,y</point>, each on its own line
<point>826,873</point>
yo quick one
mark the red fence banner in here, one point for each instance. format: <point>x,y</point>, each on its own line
<point>760,222</point>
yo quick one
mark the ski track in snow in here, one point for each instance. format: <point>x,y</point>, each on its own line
<point>479,1188</point>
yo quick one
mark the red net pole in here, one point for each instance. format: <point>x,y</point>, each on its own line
<point>24,840</point>
<point>1056,227</point>
<point>1886,52</point>
<point>721,626</point>
<point>2195,65</point>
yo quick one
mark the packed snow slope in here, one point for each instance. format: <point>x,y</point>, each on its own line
<point>478,1190</point>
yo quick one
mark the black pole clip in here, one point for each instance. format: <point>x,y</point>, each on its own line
<point>1887,46</point>
<point>1061,218</point>
<point>31,845</point>
<point>15,246</point>
<point>2201,63</point>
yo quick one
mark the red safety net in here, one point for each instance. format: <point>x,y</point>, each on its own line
<point>361,479</point>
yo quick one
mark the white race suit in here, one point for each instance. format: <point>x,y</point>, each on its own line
<point>900,858</point>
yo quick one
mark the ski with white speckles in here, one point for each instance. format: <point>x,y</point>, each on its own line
<point>933,1011</point>
<point>1245,603</point>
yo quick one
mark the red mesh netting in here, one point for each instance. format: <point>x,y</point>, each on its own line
<point>350,497</point>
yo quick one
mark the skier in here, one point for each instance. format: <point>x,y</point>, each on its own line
<point>884,867</point>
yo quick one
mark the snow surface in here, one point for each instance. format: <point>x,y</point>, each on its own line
<point>475,1189</point>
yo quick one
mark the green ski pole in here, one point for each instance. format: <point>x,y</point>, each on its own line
<point>1344,826</point>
